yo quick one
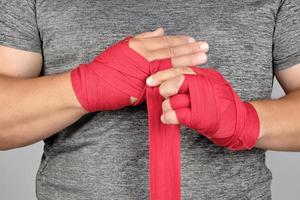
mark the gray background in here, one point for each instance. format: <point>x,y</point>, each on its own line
<point>18,168</point>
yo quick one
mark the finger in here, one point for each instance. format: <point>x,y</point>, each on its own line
<point>161,76</point>
<point>179,101</point>
<point>158,32</point>
<point>166,105</point>
<point>179,67</point>
<point>169,118</point>
<point>189,60</point>
<point>191,79</point>
<point>166,41</point>
<point>186,49</point>
<point>176,102</point>
<point>183,116</point>
<point>171,86</point>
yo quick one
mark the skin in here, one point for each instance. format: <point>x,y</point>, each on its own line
<point>34,108</point>
<point>279,118</point>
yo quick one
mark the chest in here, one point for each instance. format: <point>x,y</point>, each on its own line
<point>239,32</point>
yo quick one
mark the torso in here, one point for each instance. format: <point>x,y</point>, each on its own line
<point>105,155</point>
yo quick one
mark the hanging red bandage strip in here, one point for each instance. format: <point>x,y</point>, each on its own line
<point>164,152</point>
<point>164,149</point>
<point>164,141</point>
<point>108,82</point>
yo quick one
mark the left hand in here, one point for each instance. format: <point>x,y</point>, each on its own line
<point>204,101</point>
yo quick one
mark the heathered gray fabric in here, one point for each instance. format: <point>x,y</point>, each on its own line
<point>105,155</point>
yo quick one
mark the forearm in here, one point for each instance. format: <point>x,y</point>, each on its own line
<point>34,109</point>
<point>280,123</point>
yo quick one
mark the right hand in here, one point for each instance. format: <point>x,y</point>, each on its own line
<point>112,80</point>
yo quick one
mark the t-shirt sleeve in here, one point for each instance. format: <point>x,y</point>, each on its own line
<point>18,25</point>
<point>286,43</point>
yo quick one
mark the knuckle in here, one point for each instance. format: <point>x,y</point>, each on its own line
<point>187,70</point>
<point>149,55</point>
<point>178,70</point>
<point>190,59</point>
<point>157,76</point>
<point>167,39</point>
<point>180,77</point>
<point>186,39</point>
<point>135,44</point>
<point>164,90</point>
<point>165,105</point>
<point>161,90</point>
<point>134,40</point>
<point>182,70</point>
<point>171,52</point>
<point>132,43</point>
<point>139,46</point>
<point>179,80</point>
<point>168,117</point>
<point>140,35</point>
<point>191,48</point>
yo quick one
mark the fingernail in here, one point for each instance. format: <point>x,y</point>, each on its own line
<point>191,40</point>
<point>204,46</point>
<point>150,81</point>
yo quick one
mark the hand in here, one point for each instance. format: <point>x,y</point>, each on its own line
<point>183,50</point>
<point>116,77</point>
<point>206,102</point>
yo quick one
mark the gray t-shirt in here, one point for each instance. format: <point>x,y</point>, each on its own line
<point>105,155</point>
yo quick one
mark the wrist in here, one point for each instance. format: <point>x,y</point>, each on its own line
<point>69,96</point>
<point>252,129</point>
<point>247,130</point>
<point>256,107</point>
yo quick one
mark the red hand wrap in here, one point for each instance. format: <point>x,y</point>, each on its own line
<point>208,104</point>
<point>108,82</point>
<point>111,78</point>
